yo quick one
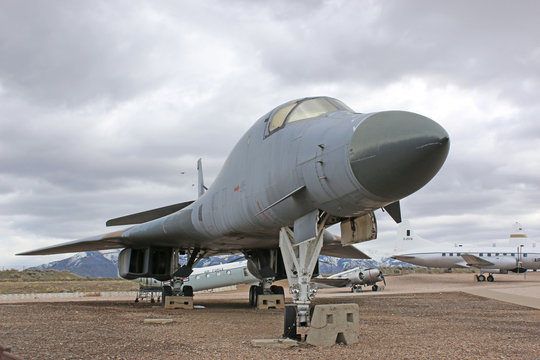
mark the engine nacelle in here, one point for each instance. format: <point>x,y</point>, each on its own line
<point>504,262</point>
<point>355,277</point>
<point>152,262</point>
<point>364,277</point>
<point>371,276</point>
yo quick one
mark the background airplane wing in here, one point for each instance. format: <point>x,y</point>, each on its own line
<point>331,282</point>
<point>475,261</point>
<point>332,247</point>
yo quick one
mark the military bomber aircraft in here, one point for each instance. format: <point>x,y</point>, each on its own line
<point>303,166</point>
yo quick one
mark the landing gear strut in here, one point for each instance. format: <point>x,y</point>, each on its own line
<point>300,250</point>
<point>176,286</point>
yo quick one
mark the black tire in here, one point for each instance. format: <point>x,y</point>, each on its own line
<point>259,290</point>
<point>481,277</point>
<point>252,295</point>
<point>289,322</point>
<point>490,278</point>
<point>187,291</point>
<point>167,291</point>
<point>375,287</point>
<point>278,290</point>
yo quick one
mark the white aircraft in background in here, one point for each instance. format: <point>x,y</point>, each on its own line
<point>413,249</point>
<point>235,273</point>
<point>205,278</point>
<point>354,278</point>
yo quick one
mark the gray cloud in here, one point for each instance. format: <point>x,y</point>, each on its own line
<point>103,105</point>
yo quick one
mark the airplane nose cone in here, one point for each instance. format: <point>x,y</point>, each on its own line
<point>395,153</point>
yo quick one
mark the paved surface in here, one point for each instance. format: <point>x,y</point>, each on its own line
<point>512,288</point>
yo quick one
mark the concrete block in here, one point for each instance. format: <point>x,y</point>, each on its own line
<point>334,323</point>
<point>274,301</point>
<point>179,302</point>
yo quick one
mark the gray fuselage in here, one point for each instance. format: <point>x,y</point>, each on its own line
<point>344,163</point>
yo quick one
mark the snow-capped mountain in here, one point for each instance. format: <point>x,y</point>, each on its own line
<point>92,264</point>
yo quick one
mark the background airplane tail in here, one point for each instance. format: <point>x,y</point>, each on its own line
<point>407,238</point>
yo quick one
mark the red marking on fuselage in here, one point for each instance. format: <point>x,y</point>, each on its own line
<point>260,208</point>
<point>237,188</point>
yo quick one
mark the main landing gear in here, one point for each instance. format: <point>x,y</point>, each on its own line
<point>358,288</point>
<point>176,287</point>
<point>481,278</point>
<point>256,290</point>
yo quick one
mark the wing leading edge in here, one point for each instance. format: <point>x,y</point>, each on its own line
<point>112,240</point>
<point>331,282</point>
<point>148,215</point>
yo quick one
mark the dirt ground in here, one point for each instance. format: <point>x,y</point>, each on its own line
<point>426,325</point>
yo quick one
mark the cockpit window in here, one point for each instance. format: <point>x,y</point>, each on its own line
<point>279,117</point>
<point>304,109</point>
<point>311,108</point>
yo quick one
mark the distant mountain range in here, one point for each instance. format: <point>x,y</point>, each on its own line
<point>104,264</point>
<point>92,264</point>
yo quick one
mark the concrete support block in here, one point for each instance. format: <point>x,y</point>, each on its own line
<point>179,302</point>
<point>334,323</point>
<point>274,301</point>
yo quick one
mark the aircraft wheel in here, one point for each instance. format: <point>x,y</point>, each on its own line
<point>167,291</point>
<point>278,290</point>
<point>136,300</point>
<point>289,323</point>
<point>187,290</point>
<point>490,278</point>
<point>481,277</point>
<point>375,287</point>
<point>252,295</point>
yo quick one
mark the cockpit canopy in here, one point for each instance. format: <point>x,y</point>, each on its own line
<point>303,109</point>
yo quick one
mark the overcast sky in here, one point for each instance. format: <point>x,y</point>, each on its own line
<point>105,106</point>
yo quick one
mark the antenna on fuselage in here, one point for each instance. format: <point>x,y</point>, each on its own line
<point>202,188</point>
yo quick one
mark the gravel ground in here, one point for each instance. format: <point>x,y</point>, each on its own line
<point>449,325</point>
